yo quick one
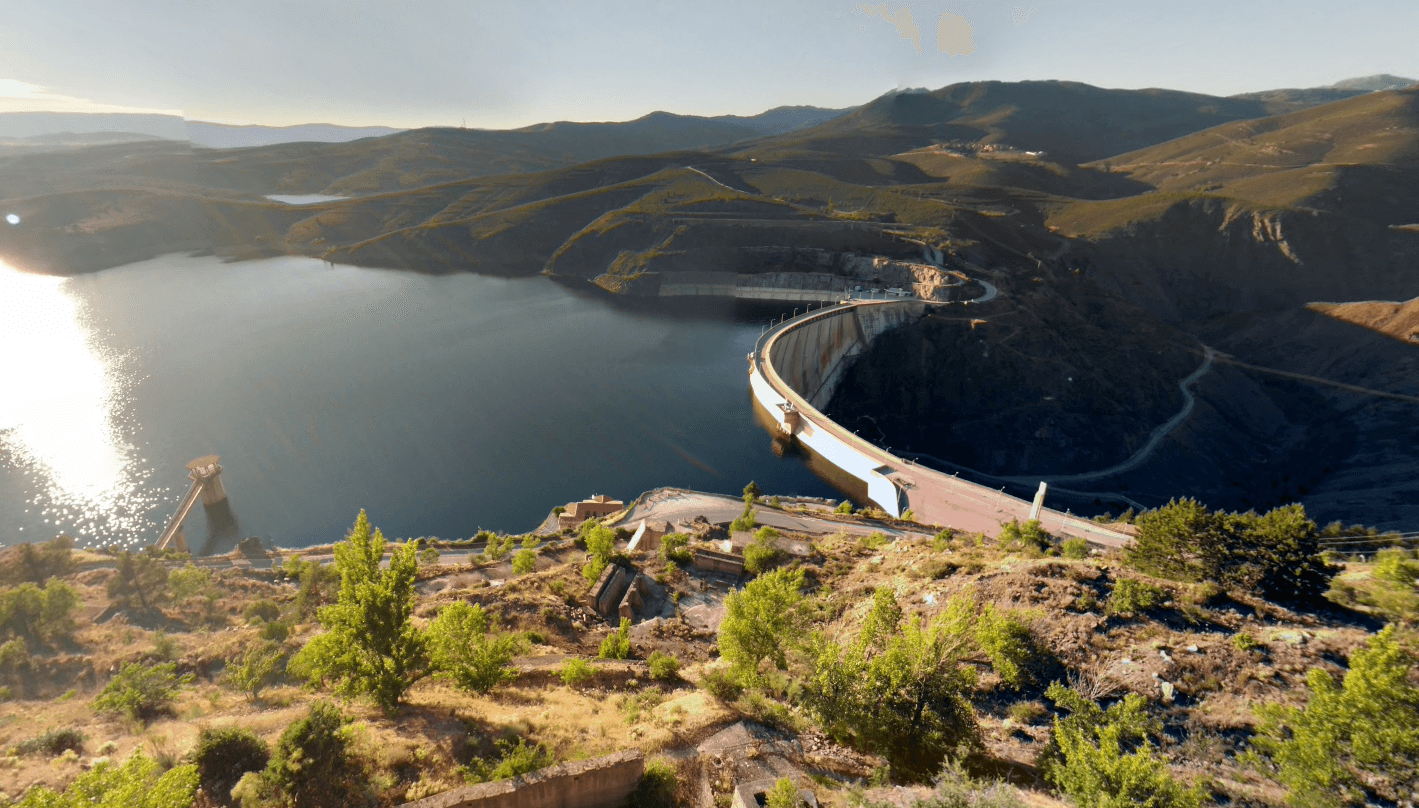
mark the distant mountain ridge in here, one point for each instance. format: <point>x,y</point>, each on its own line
<point>206,134</point>
<point>1279,102</point>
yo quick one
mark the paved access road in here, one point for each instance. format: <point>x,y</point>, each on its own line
<point>677,505</point>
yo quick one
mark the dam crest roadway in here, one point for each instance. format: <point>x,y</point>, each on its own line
<point>794,370</point>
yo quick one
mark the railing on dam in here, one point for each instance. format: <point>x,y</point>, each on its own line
<point>795,367</point>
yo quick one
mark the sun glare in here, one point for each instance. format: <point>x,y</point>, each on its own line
<point>60,396</point>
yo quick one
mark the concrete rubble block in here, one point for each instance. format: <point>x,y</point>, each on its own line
<point>604,782</point>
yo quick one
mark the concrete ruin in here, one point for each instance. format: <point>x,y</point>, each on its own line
<point>716,561</point>
<point>619,592</point>
<point>604,782</point>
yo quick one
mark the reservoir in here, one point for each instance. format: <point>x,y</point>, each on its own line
<point>440,404</point>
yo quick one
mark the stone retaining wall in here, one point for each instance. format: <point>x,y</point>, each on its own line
<point>604,782</point>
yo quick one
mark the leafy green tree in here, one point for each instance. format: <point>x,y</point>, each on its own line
<point>617,644</point>
<point>1360,733</point>
<point>142,692</point>
<point>139,782</point>
<point>752,492</point>
<point>1277,553</point>
<point>898,689</point>
<point>37,563</point>
<point>760,621</point>
<point>600,546</point>
<point>524,562</point>
<point>762,552</point>
<point>370,645</point>
<point>254,668</point>
<point>34,613</point>
<point>1103,758</point>
<point>139,576</point>
<point>464,648</point>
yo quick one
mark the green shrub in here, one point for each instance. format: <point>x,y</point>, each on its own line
<point>745,522</point>
<point>222,755</point>
<point>52,743</point>
<point>721,684</point>
<point>784,794</point>
<point>1075,548</point>
<point>189,581</point>
<point>1354,741</point>
<point>673,547</point>
<point>465,649</point>
<point>312,766</point>
<point>1245,642</point>
<point>559,510</point>
<point>1027,712</point>
<point>516,760</point>
<point>577,672</point>
<point>900,687</point>
<point>524,562</point>
<point>1397,567</point>
<point>657,786</point>
<point>262,611</point>
<point>1132,597</point>
<point>617,644</point>
<point>142,692</point>
<point>276,631</point>
<point>1009,644</point>
<point>254,668</point>
<point>139,782</point>
<point>943,540</point>
<point>761,553</point>
<point>875,540</point>
<point>428,557</point>
<point>844,508</point>
<point>664,667</point>
<point>1103,757</point>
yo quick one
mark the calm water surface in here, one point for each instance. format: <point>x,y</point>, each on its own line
<point>439,404</point>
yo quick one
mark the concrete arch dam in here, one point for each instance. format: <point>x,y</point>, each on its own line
<point>794,370</point>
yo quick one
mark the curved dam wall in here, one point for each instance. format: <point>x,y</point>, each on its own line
<point>795,369</point>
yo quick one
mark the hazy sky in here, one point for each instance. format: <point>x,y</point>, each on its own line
<point>439,62</point>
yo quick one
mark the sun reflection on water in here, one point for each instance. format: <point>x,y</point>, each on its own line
<point>62,395</point>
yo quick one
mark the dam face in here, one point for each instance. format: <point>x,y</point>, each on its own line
<point>795,369</point>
